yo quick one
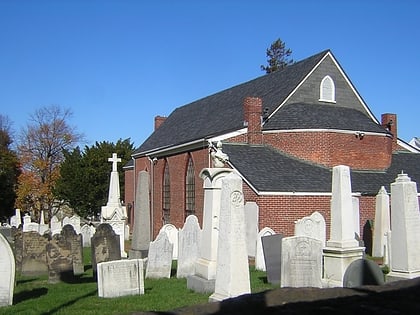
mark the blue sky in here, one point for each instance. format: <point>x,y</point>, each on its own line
<point>118,64</point>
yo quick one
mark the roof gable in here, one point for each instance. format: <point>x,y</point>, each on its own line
<point>223,112</point>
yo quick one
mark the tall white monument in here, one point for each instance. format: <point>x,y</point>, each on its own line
<point>342,247</point>
<point>405,230</point>
<point>114,213</point>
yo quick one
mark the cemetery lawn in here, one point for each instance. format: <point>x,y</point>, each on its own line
<point>34,295</point>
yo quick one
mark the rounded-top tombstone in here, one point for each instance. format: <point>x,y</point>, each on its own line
<point>363,272</point>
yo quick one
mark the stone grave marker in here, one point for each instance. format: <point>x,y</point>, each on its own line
<point>312,226</point>
<point>301,264</point>
<point>363,272</point>
<point>232,272</point>
<point>120,278</point>
<point>34,254</point>
<point>405,230</point>
<point>259,256</point>
<point>16,220</point>
<point>64,255</point>
<point>382,223</point>
<point>172,233</point>
<point>74,221</point>
<point>105,245</point>
<point>7,272</point>
<point>159,261</point>
<point>87,232</point>
<point>251,224</point>
<point>55,225</point>
<point>272,256</point>
<point>141,226</point>
<point>189,247</point>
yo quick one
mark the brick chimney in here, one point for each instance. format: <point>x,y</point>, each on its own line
<point>389,122</point>
<point>252,117</point>
<point>159,121</point>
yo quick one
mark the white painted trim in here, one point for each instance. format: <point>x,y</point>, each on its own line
<point>352,132</point>
<point>232,134</point>
<point>407,146</point>
<point>322,95</point>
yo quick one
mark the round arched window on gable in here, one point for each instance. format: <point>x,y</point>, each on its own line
<point>327,90</point>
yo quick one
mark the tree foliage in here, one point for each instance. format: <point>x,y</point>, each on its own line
<point>84,180</point>
<point>277,57</point>
<point>9,170</point>
<point>41,150</point>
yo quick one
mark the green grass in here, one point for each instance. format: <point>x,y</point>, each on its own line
<point>34,295</point>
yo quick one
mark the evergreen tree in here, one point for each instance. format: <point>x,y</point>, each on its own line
<point>84,180</point>
<point>9,170</point>
<point>277,57</point>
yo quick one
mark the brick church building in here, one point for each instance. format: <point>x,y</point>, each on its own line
<point>283,133</point>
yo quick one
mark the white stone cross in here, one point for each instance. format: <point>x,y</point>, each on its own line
<point>114,161</point>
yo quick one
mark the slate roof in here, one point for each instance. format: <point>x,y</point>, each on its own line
<point>223,112</point>
<point>314,116</point>
<point>274,171</point>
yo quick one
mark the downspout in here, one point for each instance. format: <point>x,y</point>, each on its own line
<point>152,166</point>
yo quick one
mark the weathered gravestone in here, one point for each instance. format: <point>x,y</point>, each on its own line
<point>272,255</point>
<point>189,247</point>
<point>172,233</point>
<point>251,224</point>
<point>232,273</point>
<point>105,245</point>
<point>312,226</point>
<point>382,223</point>
<point>55,225</point>
<point>65,255</point>
<point>159,261</point>
<point>120,278</point>
<point>259,256</point>
<point>34,253</point>
<point>301,264</point>
<point>363,272</point>
<point>141,227</point>
<point>7,273</point>
<point>7,233</point>
<point>73,221</point>
<point>87,232</point>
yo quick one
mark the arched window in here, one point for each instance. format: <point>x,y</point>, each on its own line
<point>327,90</point>
<point>166,195</point>
<point>189,188</point>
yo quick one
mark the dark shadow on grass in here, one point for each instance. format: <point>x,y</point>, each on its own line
<point>88,267</point>
<point>263,279</point>
<point>68,277</point>
<point>29,295</point>
<point>22,281</point>
<point>62,306</point>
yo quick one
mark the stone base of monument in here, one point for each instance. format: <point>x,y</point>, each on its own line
<point>336,261</point>
<point>200,285</point>
<point>401,275</point>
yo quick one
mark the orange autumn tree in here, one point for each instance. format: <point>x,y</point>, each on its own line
<point>40,150</point>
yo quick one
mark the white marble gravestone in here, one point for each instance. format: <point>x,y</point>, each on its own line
<point>189,241</point>
<point>87,232</point>
<point>114,212</point>
<point>172,233</point>
<point>7,272</point>
<point>232,274</point>
<point>405,228</point>
<point>205,267</point>
<point>42,226</point>
<point>55,225</point>
<point>301,264</point>
<point>259,256</point>
<point>159,260</point>
<point>16,220</point>
<point>312,226</point>
<point>342,247</point>
<point>382,223</point>
<point>120,278</point>
<point>251,223</point>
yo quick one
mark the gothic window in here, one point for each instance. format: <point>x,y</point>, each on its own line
<point>327,90</point>
<point>189,188</point>
<point>166,195</point>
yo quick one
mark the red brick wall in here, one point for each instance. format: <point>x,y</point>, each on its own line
<point>129,194</point>
<point>331,149</point>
